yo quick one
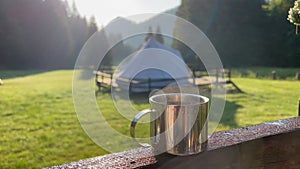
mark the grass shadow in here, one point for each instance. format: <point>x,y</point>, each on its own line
<point>229,115</point>
<point>102,90</point>
<point>140,98</point>
<point>228,119</point>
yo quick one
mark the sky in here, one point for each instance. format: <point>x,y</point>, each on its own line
<point>106,10</point>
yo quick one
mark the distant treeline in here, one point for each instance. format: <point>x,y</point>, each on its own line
<point>49,34</point>
<point>244,32</point>
<point>41,34</point>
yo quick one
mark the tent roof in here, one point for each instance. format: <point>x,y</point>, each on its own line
<point>153,61</point>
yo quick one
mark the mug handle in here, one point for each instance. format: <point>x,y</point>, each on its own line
<point>133,125</point>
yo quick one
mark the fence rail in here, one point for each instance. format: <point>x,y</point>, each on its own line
<point>200,78</point>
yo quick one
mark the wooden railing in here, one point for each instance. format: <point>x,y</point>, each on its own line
<point>222,76</point>
<point>271,145</point>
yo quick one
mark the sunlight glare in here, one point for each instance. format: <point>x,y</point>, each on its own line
<point>105,11</point>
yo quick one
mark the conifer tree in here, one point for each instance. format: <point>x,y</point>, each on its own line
<point>158,35</point>
<point>149,34</point>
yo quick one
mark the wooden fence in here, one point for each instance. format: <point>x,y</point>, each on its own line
<point>200,78</point>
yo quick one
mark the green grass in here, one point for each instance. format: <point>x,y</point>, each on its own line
<point>39,126</point>
<point>263,100</point>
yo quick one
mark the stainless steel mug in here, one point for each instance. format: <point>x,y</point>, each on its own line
<point>178,123</point>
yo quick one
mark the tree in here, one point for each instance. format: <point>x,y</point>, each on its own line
<point>74,9</point>
<point>104,44</point>
<point>119,51</point>
<point>244,33</point>
<point>149,34</point>
<point>277,7</point>
<point>92,26</point>
<point>44,34</point>
<point>234,27</point>
<point>283,48</point>
<point>158,35</point>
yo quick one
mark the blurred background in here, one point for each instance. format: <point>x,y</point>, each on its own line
<point>40,41</point>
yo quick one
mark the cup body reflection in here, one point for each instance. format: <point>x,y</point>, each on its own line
<point>179,123</point>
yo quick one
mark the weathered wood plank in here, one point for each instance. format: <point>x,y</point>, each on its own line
<point>267,145</point>
<point>277,151</point>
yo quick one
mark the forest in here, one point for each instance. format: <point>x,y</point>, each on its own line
<point>41,34</point>
<point>244,33</point>
<point>49,34</point>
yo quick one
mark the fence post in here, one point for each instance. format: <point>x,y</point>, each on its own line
<point>130,87</point>
<point>194,80</point>
<point>223,73</point>
<point>229,74</point>
<point>194,76</point>
<point>297,76</point>
<point>274,76</point>
<point>217,76</point>
<point>97,82</point>
<point>111,79</point>
<point>96,77</point>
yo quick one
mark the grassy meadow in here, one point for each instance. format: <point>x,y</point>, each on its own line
<point>38,123</point>
<point>39,126</point>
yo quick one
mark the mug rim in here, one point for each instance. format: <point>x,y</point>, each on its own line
<point>203,100</point>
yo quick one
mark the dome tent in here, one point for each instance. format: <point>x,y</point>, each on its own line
<point>153,66</point>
